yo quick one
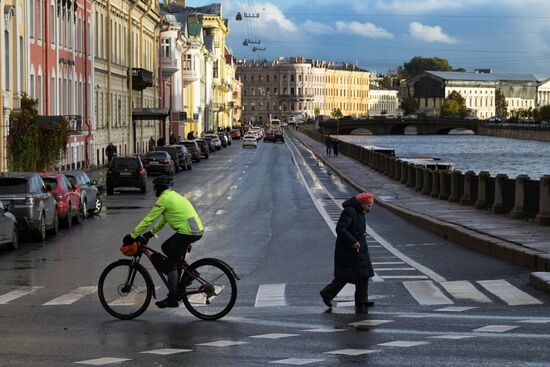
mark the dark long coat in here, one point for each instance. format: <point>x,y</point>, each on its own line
<point>348,264</point>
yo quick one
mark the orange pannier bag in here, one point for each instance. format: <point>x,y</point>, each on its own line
<point>130,249</point>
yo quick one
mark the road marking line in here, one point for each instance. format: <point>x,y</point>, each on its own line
<point>451,337</point>
<point>326,330</point>
<point>426,293</point>
<point>391,269</point>
<point>353,352</point>
<point>465,290</point>
<point>508,293</point>
<point>166,351</point>
<point>405,277</point>
<point>222,344</point>
<point>454,309</point>
<point>103,361</point>
<point>219,212</point>
<point>495,328</point>
<point>20,292</point>
<point>270,295</point>
<point>403,344</point>
<point>388,263</point>
<point>273,336</point>
<point>535,321</point>
<point>370,322</point>
<point>296,361</point>
<point>72,297</point>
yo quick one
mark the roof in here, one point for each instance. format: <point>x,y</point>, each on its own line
<point>212,9</point>
<point>482,77</point>
<point>17,174</point>
<point>195,29</point>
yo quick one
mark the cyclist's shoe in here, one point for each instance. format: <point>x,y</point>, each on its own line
<point>169,302</point>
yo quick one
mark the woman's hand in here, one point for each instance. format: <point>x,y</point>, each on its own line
<point>356,246</point>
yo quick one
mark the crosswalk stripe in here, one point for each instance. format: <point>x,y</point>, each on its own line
<point>404,277</point>
<point>136,297</point>
<point>72,297</point>
<point>18,293</point>
<point>347,293</point>
<point>388,263</point>
<point>427,293</point>
<point>391,269</point>
<point>270,295</point>
<point>508,293</point>
<point>465,290</point>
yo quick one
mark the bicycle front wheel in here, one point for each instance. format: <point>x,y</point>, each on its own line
<point>125,290</point>
<point>212,291</point>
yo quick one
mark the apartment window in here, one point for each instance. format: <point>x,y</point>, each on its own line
<point>21,63</point>
<point>54,96</point>
<point>275,91</point>
<point>165,48</point>
<point>31,18</point>
<point>52,24</point>
<point>267,78</point>
<point>39,10</point>
<point>188,63</point>
<point>216,67</point>
<point>292,78</point>
<point>39,94</point>
<point>97,31</point>
<point>292,92</point>
<point>32,86</point>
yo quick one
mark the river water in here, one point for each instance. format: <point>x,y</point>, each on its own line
<point>469,152</point>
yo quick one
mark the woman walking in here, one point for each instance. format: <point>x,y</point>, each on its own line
<point>352,262</point>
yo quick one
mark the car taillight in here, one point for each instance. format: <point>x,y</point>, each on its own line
<point>77,189</point>
<point>145,160</point>
<point>109,173</point>
<point>164,161</point>
<point>142,172</point>
<point>29,200</point>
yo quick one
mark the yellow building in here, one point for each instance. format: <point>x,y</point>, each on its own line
<point>347,89</point>
<point>126,76</point>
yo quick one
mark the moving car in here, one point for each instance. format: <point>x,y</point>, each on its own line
<point>67,199</point>
<point>205,149</point>
<point>278,136</point>
<point>90,190</point>
<point>193,148</point>
<point>268,137</point>
<point>9,232</point>
<point>25,195</point>
<point>250,141</point>
<point>159,162</point>
<point>126,172</point>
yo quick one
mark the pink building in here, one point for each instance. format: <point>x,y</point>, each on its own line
<point>61,71</point>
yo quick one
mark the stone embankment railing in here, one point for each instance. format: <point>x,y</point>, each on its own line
<point>519,197</point>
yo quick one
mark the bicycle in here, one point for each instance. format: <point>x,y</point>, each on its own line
<point>207,287</point>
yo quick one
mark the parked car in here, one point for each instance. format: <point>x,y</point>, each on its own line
<point>27,198</point>
<point>9,232</point>
<point>216,139</point>
<point>90,190</point>
<point>193,148</point>
<point>126,172</point>
<point>174,154</point>
<point>186,157</point>
<point>250,141</point>
<point>203,146</point>
<point>223,139</point>
<point>235,134</point>
<point>67,199</point>
<point>210,143</point>
<point>159,162</point>
<point>228,136</point>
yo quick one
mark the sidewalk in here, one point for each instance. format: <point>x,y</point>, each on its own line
<point>518,241</point>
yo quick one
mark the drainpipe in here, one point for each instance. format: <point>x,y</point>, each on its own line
<point>130,67</point>
<point>86,103</point>
<point>141,61</point>
<point>109,51</point>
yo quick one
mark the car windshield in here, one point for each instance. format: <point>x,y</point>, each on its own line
<point>157,155</point>
<point>50,181</point>
<point>71,179</point>
<point>189,145</point>
<point>126,164</point>
<point>13,185</point>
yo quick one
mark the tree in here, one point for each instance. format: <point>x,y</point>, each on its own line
<point>501,106</point>
<point>454,104</point>
<point>419,64</point>
<point>33,147</point>
<point>336,114</point>
<point>387,81</point>
<point>409,106</point>
<point>317,111</point>
<point>543,114</point>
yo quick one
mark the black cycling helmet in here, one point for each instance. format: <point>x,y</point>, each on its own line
<point>164,180</point>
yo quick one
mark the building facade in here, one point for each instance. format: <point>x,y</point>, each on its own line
<point>383,102</point>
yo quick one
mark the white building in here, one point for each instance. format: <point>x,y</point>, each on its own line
<point>383,102</point>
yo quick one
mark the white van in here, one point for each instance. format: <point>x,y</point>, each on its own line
<point>275,124</point>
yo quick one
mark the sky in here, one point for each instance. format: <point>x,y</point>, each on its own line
<point>507,36</point>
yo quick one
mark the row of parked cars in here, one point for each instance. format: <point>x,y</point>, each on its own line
<point>131,172</point>
<point>37,203</point>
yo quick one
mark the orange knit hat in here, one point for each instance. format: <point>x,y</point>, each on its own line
<point>364,198</point>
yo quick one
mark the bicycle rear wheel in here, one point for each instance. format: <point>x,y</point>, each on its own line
<point>124,290</point>
<point>212,291</point>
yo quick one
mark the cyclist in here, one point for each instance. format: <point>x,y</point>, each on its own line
<point>179,213</point>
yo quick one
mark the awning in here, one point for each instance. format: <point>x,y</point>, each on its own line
<point>140,114</point>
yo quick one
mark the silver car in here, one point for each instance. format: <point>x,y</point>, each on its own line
<point>9,232</point>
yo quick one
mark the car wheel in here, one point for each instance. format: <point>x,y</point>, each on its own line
<point>110,191</point>
<point>207,156</point>
<point>14,238</point>
<point>55,227</point>
<point>143,189</point>
<point>40,234</point>
<point>190,166</point>
<point>68,220</point>
<point>79,218</point>
<point>98,205</point>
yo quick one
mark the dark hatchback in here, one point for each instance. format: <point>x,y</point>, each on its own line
<point>204,147</point>
<point>126,172</point>
<point>193,148</point>
<point>159,162</point>
<point>90,190</point>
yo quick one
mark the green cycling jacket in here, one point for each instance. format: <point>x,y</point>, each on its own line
<point>177,211</point>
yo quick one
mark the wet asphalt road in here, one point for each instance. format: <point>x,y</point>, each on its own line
<point>270,213</point>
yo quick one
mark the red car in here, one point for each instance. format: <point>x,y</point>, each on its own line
<point>235,134</point>
<point>66,197</point>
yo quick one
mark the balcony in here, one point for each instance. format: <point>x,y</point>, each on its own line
<point>190,76</point>
<point>169,67</point>
<point>141,79</point>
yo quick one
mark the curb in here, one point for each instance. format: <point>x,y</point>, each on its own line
<point>496,247</point>
<point>540,280</point>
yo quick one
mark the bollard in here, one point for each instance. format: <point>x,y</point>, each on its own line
<point>481,202</point>
<point>436,184</point>
<point>391,173</point>
<point>453,196</point>
<point>543,218</point>
<point>404,171</point>
<point>467,197</point>
<point>397,175</point>
<point>387,164</point>
<point>498,205</point>
<point>427,182</point>
<point>444,183</point>
<point>518,211</point>
<point>411,175</point>
<point>419,178</point>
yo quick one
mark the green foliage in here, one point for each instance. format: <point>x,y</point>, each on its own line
<point>501,106</point>
<point>387,81</point>
<point>317,111</point>
<point>454,104</point>
<point>409,106</point>
<point>336,114</point>
<point>543,114</point>
<point>419,64</point>
<point>33,147</point>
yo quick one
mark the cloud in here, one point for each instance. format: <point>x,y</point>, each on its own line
<point>367,30</point>
<point>425,6</point>
<point>426,33</point>
<point>271,15</point>
<point>317,28</point>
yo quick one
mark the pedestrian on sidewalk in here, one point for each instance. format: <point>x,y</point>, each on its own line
<point>352,262</point>
<point>328,143</point>
<point>335,146</point>
<point>152,144</point>
<point>110,151</point>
